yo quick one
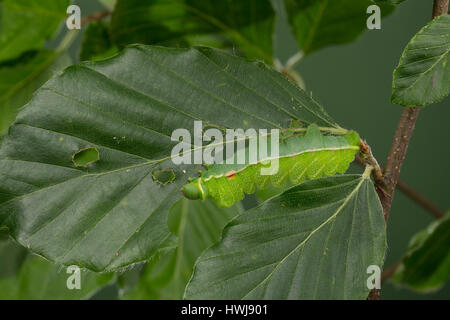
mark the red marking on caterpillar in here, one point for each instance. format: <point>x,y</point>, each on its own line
<point>230,174</point>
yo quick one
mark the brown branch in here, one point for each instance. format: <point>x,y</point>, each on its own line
<point>440,7</point>
<point>403,134</point>
<point>95,16</point>
<point>374,294</point>
<point>396,156</point>
<point>389,272</point>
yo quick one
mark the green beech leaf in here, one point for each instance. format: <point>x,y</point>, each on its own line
<point>20,78</point>
<point>426,266</point>
<point>38,279</point>
<point>247,23</point>
<point>314,241</point>
<point>423,74</point>
<point>320,23</point>
<point>25,24</point>
<point>197,225</point>
<point>113,212</point>
<point>272,191</point>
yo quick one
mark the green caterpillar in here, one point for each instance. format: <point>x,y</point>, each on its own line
<point>301,157</point>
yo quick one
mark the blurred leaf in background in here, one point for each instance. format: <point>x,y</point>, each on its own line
<point>40,279</point>
<point>19,79</point>
<point>97,44</point>
<point>248,24</point>
<point>25,25</point>
<point>25,276</point>
<point>108,3</point>
<point>426,266</point>
<point>24,63</point>
<point>320,23</point>
<point>12,256</point>
<point>198,225</point>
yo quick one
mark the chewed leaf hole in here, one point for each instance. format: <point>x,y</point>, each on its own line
<point>295,123</point>
<point>85,157</point>
<point>163,177</point>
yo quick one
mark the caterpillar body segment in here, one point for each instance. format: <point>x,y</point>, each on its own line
<point>301,157</point>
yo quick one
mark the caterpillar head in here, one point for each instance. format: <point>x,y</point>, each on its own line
<point>195,190</point>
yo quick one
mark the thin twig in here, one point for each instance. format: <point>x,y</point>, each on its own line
<point>420,199</point>
<point>95,16</point>
<point>389,272</point>
<point>365,157</point>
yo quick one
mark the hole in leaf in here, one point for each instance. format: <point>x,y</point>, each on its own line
<point>295,123</point>
<point>85,157</point>
<point>261,65</point>
<point>163,177</point>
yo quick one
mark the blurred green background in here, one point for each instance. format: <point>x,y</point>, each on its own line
<point>353,82</point>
